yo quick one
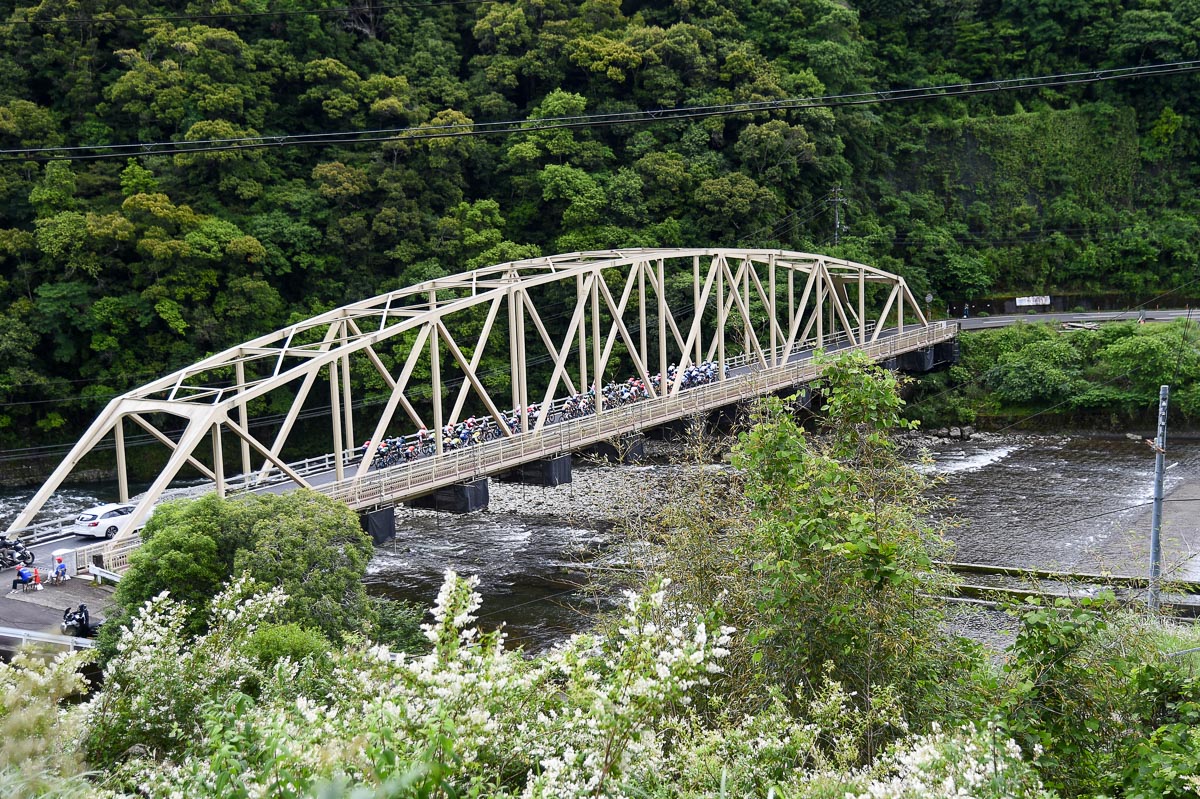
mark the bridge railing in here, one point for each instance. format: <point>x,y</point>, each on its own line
<point>42,532</point>
<point>782,354</point>
<point>28,636</point>
<point>111,555</point>
<point>386,486</point>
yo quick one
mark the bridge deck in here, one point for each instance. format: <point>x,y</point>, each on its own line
<point>405,481</point>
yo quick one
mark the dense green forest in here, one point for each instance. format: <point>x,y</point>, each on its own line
<point>1106,378</point>
<point>121,263</point>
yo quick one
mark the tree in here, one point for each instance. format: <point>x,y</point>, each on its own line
<point>311,545</point>
<point>1043,371</point>
<point>315,549</point>
<point>825,556</point>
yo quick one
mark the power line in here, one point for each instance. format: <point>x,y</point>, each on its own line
<point>242,14</point>
<point>534,125</point>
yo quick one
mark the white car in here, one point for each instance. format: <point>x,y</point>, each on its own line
<point>102,521</point>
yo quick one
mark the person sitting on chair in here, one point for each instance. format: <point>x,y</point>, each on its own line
<point>60,571</point>
<point>24,576</point>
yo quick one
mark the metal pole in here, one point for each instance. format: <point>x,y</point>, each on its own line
<point>239,369</point>
<point>641,267</point>
<point>721,320</point>
<point>697,310</point>
<point>597,371</point>
<point>662,329</point>
<point>122,469</point>
<point>581,299</point>
<point>219,458</point>
<point>347,400</point>
<point>435,374</point>
<point>334,401</point>
<point>522,377</point>
<point>513,348</point>
<point>837,215</point>
<point>1160,452</point>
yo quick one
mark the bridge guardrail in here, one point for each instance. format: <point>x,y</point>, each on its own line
<point>113,556</point>
<point>25,636</point>
<point>387,486</point>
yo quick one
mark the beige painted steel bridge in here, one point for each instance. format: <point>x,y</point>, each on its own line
<point>585,318</point>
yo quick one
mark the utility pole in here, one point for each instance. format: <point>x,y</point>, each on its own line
<point>1160,453</point>
<point>837,201</point>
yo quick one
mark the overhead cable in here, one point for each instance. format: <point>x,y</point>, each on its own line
<point>608,119</point>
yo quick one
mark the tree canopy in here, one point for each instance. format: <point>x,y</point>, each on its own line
<point>310,546</point>
<point>116,269</point>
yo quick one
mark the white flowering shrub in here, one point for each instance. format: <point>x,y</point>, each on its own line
<point>160,679</point>
<point>467,718</point>
<point>600,716</point>
<point>39,727</point>
<point>979,762</point>
<point>794,747</point>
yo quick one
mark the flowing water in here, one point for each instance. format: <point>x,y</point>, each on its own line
<point>1067,503</point>
<point>528,569</point>
<point>1072,503</point>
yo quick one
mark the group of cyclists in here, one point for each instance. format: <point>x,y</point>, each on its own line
<point>477,429</point>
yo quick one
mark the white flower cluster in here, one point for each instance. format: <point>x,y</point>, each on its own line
<point>583,720</point>
<point>160,678</point>
<point>968,763</point>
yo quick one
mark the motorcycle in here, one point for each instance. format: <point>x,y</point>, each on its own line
<point>77,622</point>
<point>14,553</point>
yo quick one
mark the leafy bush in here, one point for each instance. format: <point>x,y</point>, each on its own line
<point>466,717</point>
<point>273,642</point>
<point>1104,714</point>
<point>38,756</point>
<point>305,542</point>
<point>399,625</point>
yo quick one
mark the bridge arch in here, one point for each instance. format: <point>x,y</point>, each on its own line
<point>588,317</point>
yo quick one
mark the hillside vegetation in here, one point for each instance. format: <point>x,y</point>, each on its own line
<point>117,265</point>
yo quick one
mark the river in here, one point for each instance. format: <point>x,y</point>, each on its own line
<point>1073,502</point>
<point>1070,503</point>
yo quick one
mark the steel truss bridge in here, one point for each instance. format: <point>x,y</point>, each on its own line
<point>417,357</point>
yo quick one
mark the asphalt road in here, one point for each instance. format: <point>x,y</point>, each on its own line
<point>983,323</point>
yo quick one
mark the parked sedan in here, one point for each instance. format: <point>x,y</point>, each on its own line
<point>102,521</point>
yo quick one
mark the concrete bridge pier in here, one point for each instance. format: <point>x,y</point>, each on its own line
<point>926,359</point>
<point>548,472</point>
<point>458,498</point>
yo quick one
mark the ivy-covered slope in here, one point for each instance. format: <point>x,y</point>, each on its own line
<point>116,269</point>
